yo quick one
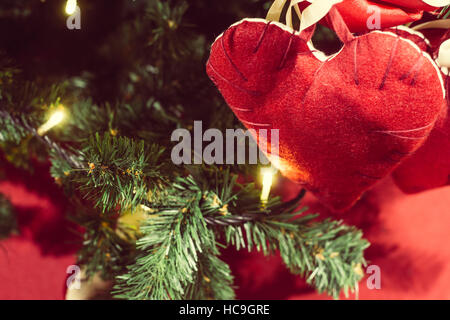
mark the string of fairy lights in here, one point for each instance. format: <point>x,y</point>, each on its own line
<point>71,6</point>
<point>59,114</point>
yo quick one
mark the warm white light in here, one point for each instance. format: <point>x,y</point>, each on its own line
<point>56,118</point>
<point>71,6</point>
<point>267,179</point>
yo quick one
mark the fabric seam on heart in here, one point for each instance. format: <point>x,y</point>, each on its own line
<point>319,55</point>
<point>413,32</point>
<point>425,54</point>
<point>444,70</point>
<point>331,57</point>
<point>279,24</point>
<point>415,46</point>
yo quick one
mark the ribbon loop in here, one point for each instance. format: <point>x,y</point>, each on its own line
<point>310,15</point>
<point>274,13</point>
<point>435,24</point>
<point>315,12</point>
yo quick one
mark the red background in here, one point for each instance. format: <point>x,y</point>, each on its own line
<point>408,235</point>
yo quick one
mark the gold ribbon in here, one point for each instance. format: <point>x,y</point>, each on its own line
<point>436,24</point>
<point>275,10</point>
<point>310,16</point>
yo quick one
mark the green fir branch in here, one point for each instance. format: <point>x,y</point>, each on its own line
<point>120,172</point>
<point>327,252</point>
<point>11,131</point>
<point>171,243</point>
<point>107,246</point>
<point>213,280</point>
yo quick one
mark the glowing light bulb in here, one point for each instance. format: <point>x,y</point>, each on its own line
<point>71,6</point>
<point>267,180</point>
<point>56,118</point>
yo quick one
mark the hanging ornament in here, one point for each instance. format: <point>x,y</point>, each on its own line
<point>344,121</point>
<point>429,167</point>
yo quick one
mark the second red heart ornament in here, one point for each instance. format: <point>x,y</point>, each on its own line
<point>429,167</point>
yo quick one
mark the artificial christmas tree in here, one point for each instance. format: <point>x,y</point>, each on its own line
<point>99,99</point>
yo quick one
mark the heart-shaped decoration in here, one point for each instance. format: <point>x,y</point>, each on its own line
<point>429,167</point>
<point>344,121</point>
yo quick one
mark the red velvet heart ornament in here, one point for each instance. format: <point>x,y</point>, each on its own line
<point>345,121</point>
<point>429,167</point>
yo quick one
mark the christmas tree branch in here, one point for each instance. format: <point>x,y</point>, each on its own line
<point>16,128</point>
<point>171,243</point>
<point>212,281</point>
<point>108,246</point>
<point>329,253</point>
